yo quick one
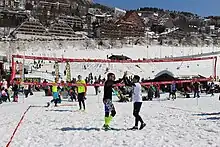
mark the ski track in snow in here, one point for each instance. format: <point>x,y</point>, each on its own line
<point>169,124</point>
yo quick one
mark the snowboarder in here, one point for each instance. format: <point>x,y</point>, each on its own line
<point>107,99</point>
<point>137,100</point>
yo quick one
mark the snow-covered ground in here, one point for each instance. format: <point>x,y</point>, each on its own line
<point>179,123</point>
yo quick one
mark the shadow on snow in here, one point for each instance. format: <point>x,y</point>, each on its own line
<point>211,118</point>
<point>89,129</point>
<point>207,114</point>
<point>60,110</point>
<point>79,129</point>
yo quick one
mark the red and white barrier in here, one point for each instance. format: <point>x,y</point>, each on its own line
<point>143,84</point>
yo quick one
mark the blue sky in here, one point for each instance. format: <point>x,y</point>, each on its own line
<point>201,7</point>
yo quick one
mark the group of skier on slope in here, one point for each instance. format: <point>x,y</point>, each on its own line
<point>109,108</point>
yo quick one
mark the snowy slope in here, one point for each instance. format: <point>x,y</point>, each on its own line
<point>169,123</point>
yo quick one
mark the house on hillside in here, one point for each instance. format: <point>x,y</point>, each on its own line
<point>61,29</point>
<point>172,37</point>
<point>95,18</point>
<point>33,29</point>
<point>185,24</point>
<point>130,25</point>
<point>119,13</point>
<point>10,4</point>
<point>150,18</point>
<point>166,21</point>
<point>75,22</point>
<point>10,20</point>
<point>29,29</point>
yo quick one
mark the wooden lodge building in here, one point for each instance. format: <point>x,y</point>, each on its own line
<point>130,25</point>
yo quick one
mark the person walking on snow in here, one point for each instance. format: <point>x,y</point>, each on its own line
<point>107,99</point>
<point>136,99</point>
<point>81,92</point>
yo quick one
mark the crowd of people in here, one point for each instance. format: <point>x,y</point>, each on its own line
<point>9,91</point>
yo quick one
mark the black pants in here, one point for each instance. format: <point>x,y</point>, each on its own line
<point>15,95</point>
<point>173,94</point>
<point>81,100</point>
<point>96,90</point>
<point>26,92</point>
<point>137,108</point>
<point>55,101</point>
<point>46,92</point>
<point>72,96</point>
<point>212,92</point>
<point>196,93</point>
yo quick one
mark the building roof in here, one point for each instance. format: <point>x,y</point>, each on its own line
<point>132,16</point>
<point>31,27</point>
<point>60,28</point>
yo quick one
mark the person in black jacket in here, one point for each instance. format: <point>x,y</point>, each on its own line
<point>15,89</point>
<point>107,99</point>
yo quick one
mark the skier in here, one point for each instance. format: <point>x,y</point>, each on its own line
<point>137,100</point>
<point>81,92</point>
<point>107,99</point>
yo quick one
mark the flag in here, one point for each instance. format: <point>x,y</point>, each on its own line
<point>68,72</point>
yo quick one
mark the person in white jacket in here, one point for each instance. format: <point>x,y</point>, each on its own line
<point>136,99</point>
<point>4,84</point>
